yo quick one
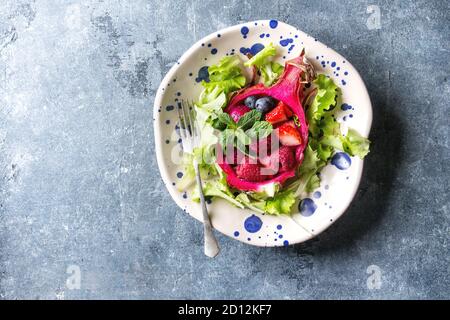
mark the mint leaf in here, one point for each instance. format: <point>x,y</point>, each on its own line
<point>227,137</point>
<point>242,137</point>
<point>248,119</point>
<point>226,119</point>
<point>260,129</point>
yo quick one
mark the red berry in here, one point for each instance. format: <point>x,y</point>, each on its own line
<point>289,134</point>
<point>250,172</point>
<point>237,112</point>
<point>280,161</point>
<point>279,114</point>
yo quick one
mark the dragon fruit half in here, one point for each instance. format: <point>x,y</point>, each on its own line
<point>289,90</point>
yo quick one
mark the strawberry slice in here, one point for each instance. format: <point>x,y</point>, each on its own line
<point>279,114</point>
<point>289,135</point>
<point>288,111</point>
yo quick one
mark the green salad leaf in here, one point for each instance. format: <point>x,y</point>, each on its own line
<point>242,133</point>
<point>281,203</point>
<point>217,188</point>
<point>253,204</point>
<point>226,76</point>
<point>260,130</point>
<point>270,70</point>
<point>248,119</point>
<point>355,144</point>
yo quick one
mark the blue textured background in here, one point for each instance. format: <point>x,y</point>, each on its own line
<point>79,184</point>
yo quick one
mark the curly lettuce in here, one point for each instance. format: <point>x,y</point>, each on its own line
<point>226,76</point>
<point>270,70</point>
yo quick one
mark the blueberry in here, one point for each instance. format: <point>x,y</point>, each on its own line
<point>264,104</point>
<point>250,101</point>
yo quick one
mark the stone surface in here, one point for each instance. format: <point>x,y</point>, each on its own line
<point>80,191</point>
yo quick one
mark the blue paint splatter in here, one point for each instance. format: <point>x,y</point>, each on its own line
<point>214,51</point>
<point>180,175</point>
<point>307,207</point>
<point>244,31</point>
<point>346,107</point>
<point>343,82</point>
<point>262,35</point>
<point>236,233</point>
<point>279,227</point>
<point>291,47</point>
<point>257,47</point>
<point>333,64</point>
<point>286,42</point>
<point>273,24</point>
<point>341,160</point>
<point>280,236</point>
<point>285,243</point>
<point>253,224</point>
<point>317,194</point>
<point>345,73</point>
<point>202,74</point>
<point>254,49</point>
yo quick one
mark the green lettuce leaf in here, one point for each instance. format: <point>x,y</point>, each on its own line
<point>325,99</point>
<point>270,70</point>
<point>308,179</point>
<point>217,188</point>
<point>281,203</point>
<point>355,144</point>
<point>256,205</point>
<point>226,76</point>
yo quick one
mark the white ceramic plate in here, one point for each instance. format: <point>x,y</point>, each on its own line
<point>340,180</point>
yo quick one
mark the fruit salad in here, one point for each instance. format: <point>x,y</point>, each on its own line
<point>266,132</point>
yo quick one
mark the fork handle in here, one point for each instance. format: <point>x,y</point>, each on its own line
<point>210,243</point>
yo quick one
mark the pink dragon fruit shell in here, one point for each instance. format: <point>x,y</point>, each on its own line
<point>287,89</point>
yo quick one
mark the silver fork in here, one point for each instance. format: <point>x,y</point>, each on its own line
<point>190,138</point>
